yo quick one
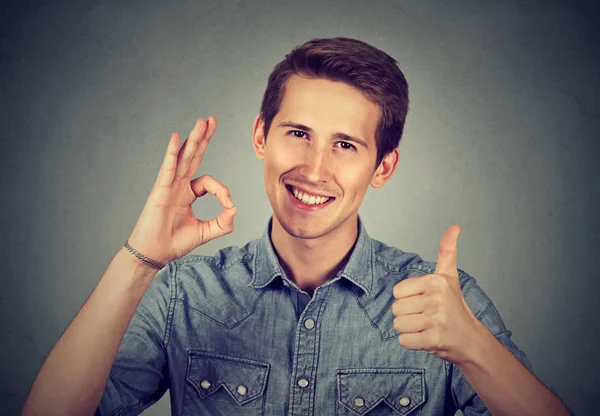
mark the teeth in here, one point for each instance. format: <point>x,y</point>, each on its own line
<point>309,199</point>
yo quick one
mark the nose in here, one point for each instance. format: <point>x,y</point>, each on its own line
<point>317,165</point>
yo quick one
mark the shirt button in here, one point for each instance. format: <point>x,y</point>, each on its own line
<point>303,382</point>
<point>405,401</point>
<point>205,384</point>
<point>359,402</point>
<point>242,390</point>
<point>309,323</point>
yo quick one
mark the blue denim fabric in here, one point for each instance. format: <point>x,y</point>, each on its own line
<point>232,335</point>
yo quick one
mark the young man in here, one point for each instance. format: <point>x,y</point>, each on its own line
<point>313,318</point>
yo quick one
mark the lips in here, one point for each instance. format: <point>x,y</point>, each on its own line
<point>306,200</point>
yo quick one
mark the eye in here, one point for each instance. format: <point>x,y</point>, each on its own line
<point>346,146</point>
<point>294,132</point>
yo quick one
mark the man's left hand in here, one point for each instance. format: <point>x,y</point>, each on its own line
<point>431,312</point>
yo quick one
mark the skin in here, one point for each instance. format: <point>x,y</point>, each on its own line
<point>431,312</point>
<point>312,246</point>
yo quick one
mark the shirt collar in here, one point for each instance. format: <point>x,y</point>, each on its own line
<point>358,268</point>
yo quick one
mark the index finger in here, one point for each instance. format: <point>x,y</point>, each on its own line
<point>410,286</point>
<point>199,154</point>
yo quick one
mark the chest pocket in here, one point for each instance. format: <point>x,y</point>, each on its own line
<point>224,385</point>
<point>380,391</point>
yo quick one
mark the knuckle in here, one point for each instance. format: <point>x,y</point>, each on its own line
<point>434,320</point>
<point>224,191</point>
<point>438,282</point>
<point>436,300</point>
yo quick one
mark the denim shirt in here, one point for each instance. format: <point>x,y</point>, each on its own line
<point>231,334</point>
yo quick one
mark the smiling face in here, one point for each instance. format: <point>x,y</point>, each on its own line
<point>320,156</point>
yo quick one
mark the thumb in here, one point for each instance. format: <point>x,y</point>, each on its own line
<point>446,263</point>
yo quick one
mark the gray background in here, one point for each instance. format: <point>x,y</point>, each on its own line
<point>501,139</point>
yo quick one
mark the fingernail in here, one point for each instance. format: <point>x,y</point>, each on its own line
<point>229,203</point>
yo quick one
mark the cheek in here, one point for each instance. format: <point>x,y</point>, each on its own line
<point>279,158</point>
<point>354,181</point>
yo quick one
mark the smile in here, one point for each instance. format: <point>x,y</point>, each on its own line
<point>307,198</point>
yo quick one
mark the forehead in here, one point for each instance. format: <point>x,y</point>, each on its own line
<point>327,106</point>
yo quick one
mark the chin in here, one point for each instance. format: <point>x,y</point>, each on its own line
<point>304,231</point>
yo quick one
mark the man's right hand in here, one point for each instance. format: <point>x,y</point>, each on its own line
<point>167,228</point>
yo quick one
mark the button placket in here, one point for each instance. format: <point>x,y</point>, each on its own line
<point>306,354</point>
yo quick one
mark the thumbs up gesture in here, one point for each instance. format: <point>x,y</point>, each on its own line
<point>430,311</point>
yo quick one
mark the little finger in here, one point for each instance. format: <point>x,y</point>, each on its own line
<point>410,323</point>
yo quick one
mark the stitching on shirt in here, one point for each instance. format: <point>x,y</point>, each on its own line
<point>254,266</point>
<point>360,305</point>
<point>115,412</point>
<point>125,410</point>
<point>320,313</point>
<point>450,375</point>
<point>171,310</point>
<point>250,313</point>
<point>212,261</point>
<point>372,266</point>
<point>395,267</point>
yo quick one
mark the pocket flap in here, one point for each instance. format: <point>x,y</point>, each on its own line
<point>402,389</point>
<point>244,379</point>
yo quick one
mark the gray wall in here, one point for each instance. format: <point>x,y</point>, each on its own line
<point>501,139</point>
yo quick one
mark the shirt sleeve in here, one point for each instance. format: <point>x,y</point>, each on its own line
<point>138,376</point>
<point>465,397</point>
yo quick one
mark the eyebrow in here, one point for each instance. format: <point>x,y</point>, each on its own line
<point>337,135</point>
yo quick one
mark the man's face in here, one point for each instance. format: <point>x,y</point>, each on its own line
<point>319,157</point>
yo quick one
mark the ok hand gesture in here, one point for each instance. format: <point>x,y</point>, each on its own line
<point>167,228</point>
<point>431,312</point>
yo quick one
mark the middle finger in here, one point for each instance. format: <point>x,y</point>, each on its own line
<point>195,162</point>
<point>187,151</point>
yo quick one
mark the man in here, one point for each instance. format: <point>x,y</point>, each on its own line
<point>313,318</point>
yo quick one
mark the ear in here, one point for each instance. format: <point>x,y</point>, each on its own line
<point>258,137</point>
<point>385,169</point>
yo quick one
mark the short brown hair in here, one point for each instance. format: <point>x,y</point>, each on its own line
<point>356,63</point>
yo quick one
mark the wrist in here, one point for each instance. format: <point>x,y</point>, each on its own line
<point>147,261</point>
<point>140,267</point>
<point>480,344</point>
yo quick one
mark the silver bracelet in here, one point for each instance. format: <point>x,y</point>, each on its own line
<point>143,258</point>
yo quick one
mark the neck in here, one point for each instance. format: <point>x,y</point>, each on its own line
<point>310,262</point>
